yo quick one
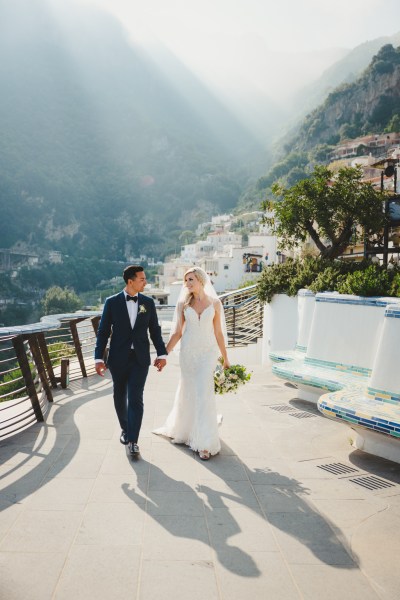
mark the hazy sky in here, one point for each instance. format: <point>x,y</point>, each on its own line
<point>286,25</point>
<point>253,53</point>
<point>256,43</point>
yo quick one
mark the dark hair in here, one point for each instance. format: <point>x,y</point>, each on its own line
<point>130,272</point>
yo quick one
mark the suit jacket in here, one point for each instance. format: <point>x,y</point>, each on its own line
<point>115,322</point>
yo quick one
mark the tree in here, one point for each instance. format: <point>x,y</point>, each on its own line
<point>394,124</point>
<point>60,300</point>
<point>186,237</point>
<point>329,208</point>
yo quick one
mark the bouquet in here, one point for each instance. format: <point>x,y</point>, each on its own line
<point>228,380</point>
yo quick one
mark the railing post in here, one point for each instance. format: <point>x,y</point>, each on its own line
<point>95,324</point>
<point>37,357</point>
<point>234,325</point>
<point>27,375</point>
<point>77,344</point>
<point>46,359</point>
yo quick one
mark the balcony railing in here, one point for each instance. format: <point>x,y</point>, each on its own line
<point>244,316</point>
<point>35,359</point>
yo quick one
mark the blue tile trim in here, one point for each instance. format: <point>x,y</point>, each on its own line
<point>353,406</point>
<point>383,395</point>
<point>393,312</point>
<point>354,300</point>
<point>338,366</point>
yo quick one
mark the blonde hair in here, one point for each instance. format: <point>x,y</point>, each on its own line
<point>200,276</point>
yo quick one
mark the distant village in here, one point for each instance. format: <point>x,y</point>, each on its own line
<point>234,249</point>
<point>223,254</point>
<point>232,259</point>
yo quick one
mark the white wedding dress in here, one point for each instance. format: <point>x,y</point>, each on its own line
<point>193,419</point>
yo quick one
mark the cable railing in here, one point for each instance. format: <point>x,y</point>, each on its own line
<point>243,315</point>
<point>37,359</point>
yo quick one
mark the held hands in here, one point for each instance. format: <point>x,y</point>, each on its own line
<point>160,363</point>
<point>100,368</point>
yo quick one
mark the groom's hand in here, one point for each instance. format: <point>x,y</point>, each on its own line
<point>100,368</point>
<point>160,363</point>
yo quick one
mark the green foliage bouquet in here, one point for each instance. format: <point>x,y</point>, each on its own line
<point>229,379</point>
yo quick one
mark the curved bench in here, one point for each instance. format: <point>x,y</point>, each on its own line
<point>374,409</point>
<point>344,334</point>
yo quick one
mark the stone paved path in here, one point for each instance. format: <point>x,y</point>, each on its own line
<point>267,518</point>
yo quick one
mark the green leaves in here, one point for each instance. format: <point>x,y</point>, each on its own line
<point>319,275</point>
<point>330,208</point>
<point>60,300</point>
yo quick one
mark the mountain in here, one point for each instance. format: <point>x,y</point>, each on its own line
<point>368,105</point>
<point>346,70</point>
<point>100,153</point>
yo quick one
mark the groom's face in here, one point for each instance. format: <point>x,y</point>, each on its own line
<point>137,284</point>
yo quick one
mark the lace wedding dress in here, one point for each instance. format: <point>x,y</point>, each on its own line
<point>193,419</point>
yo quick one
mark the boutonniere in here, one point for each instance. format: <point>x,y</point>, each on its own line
<point>142,309</point>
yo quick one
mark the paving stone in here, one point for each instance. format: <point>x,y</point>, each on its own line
<point>179,580</point>
<point>101,572</point>
<point>42,531</point>
<point>257,575</point>
<point>24,575</point>
<point>179,538</point>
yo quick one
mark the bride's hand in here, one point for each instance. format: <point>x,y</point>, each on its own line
<point>226,363</point>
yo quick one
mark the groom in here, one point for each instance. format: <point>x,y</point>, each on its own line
<point>128,317</point>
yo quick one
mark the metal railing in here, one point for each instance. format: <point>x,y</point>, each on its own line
<point>32,358</point>
<point>244,316</point>
<point>36,359</point>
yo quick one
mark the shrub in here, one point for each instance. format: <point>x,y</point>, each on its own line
<point>318,275</point>
<point>395,285</point>
<point>59,350</point>
<point>294,275</point>
<point>276,280</point>
<point>11,382</point>
<point>373,281</point>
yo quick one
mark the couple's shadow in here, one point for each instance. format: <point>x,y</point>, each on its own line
<point>177,521</point>
<point>293,514</point>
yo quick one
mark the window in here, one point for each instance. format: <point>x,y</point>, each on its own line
<point>226,267</point>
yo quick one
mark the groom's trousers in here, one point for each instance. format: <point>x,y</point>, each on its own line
<point>128,384</point>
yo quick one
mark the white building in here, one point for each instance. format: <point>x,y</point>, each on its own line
<point>230,268</point>
<point>219,239</point>
<point>268,242</point>
<point>223,256</point>
<point>221,221</point>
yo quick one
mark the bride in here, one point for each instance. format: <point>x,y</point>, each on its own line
<point>199,323</point>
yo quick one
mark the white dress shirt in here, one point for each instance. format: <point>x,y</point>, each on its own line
<point>132,309</point>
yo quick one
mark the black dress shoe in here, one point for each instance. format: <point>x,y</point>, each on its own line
<point>133,449</point>
<point>123,438</point>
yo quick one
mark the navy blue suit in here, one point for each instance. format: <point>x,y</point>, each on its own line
<point>129,368</point>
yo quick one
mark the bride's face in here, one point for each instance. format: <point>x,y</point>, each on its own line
<point>192,283</point>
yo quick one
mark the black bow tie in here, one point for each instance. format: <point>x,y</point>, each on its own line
<point>134,298</point>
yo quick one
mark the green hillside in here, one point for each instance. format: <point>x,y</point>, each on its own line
<point>100,154</point>
<point>369,105</point>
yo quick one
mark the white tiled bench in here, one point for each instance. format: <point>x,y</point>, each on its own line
<point>342,344</point>
<point>305,309</point>
<point>373,410</point>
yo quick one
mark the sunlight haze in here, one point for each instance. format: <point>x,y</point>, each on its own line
<point>246,50</point>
